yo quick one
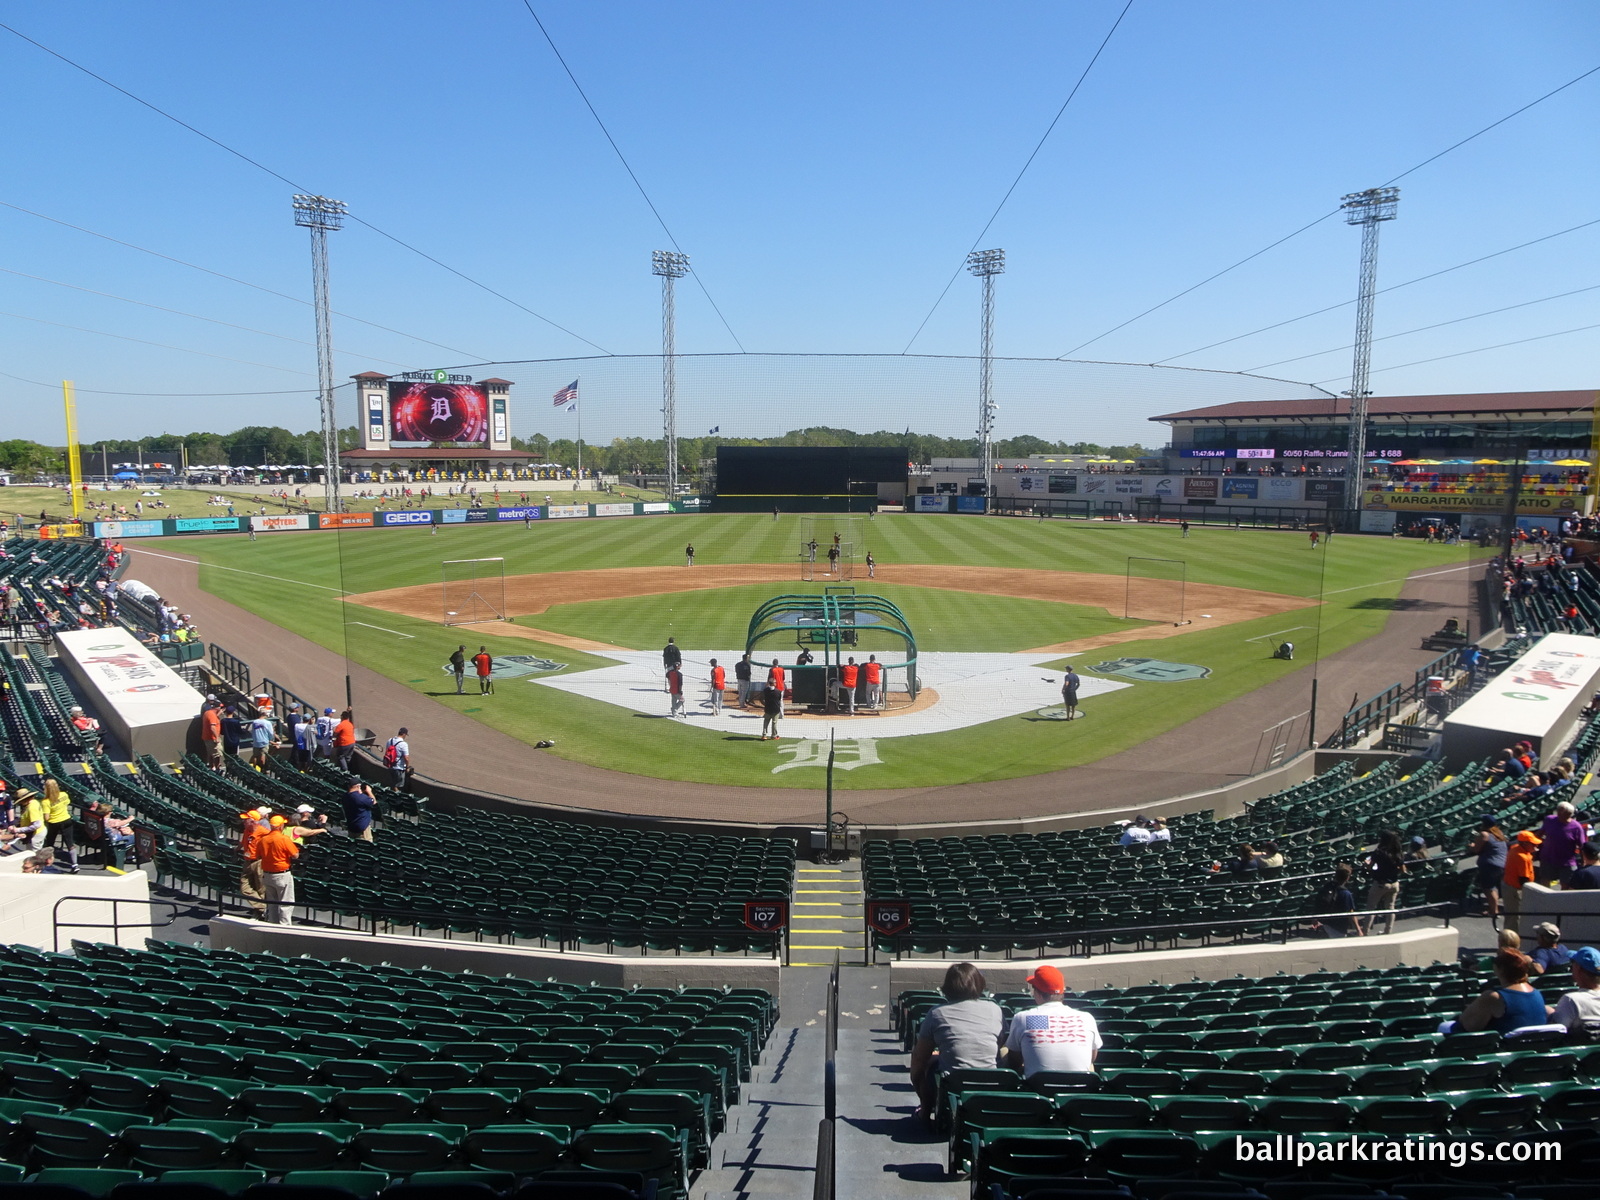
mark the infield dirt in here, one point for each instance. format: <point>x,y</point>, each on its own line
<point>1209,605</point>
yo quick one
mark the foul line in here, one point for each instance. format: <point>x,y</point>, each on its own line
<point>240,571</point>
<point>381,629</point>
<point>1276,632</point>
<point>1385,582</point>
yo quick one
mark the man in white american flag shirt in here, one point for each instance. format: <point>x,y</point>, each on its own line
<point>1051,1036</point>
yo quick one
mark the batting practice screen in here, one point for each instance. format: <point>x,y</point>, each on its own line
<point>808,470</point>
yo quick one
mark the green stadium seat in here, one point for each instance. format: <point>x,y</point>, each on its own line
<point>361,1184</point>
<point>277,1149</point>
<point>574,1108</point>
<point>1192,1114</point>
<point>371,1107</point>
<point>230,1182</point>
<point>187,1097</point>
<point>1061,1083</point>
<point>1093,1113</point>
<point>655,1153</point>
<point>1488,1111</point>
<point>1458,1074</point>
<point>972,1111</point>
<point>82,1138</point>
<point>1143,1082</point>
<point>1002,1158</point>
<point>1397,1116</point>
<point>1304,1114</point>
<point>1225,1083</point>
<point>286,1105</point>
<point>402,1150</point>
<point>158,1148</point>
<point>472,1107</point>
<point>520,1149</point>
<point>92,1181</point>
<point>1124,1157</point>
<point>687,1111</point>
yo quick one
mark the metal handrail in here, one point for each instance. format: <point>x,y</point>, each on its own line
<point>233,671</point>
<point>824,1182</point>
<point>116,926</point>
<point>1081,942</point>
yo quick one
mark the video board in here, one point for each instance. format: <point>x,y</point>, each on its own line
<point>447,415</point>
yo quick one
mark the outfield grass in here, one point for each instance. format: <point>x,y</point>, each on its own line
<point>304,574</point>
<point>940,619</point>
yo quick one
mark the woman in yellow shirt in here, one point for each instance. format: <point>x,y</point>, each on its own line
<point>58,822</point>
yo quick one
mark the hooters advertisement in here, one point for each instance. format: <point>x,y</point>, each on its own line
<point>444,415</point>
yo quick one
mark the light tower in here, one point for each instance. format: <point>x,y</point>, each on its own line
<point>1365,209</point>
<point>670,265</point>
<point>320,214</point>
<point>986,264</point>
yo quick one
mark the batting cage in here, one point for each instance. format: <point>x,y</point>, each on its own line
<point>1155,590</point>
<point>474,590</point>
<point>830,632</point>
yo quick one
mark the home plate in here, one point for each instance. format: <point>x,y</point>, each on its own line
<point>973,688</point>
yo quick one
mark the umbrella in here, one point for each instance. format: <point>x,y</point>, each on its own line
<point>126,475</point>
<point>1412,462</point>
<point>1489,462</point>
<point>1571,462</point>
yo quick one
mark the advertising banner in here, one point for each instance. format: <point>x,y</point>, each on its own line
<point>970,504</point>
<point>569,510</point>
<point>1527,505</point>
<point>474,515</point>
<point>655,506</point>
<point>361,520</point>
<point>1377,521</point>
<point>453,516</point>
<point>128,529</point>
<point>613,510</point>
<point>1128,485</point>
<point>1063,485</point>
<point>1274,487</point>
<point>1201,487</point>
<point>932,503</point>
<point>70,530</point>
<point>1164,485</point>
<point>410,516</point>
<point>275,524</point>
<point>1239,487</point>
<point>1329,491</point>
<point>526,513</point>
<point>1030,483</point>
<point>690,504</point>
<point>206,525</point>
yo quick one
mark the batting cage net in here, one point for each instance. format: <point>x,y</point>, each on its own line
<point>1155,590</point>
<point>832,549</point>
<point>474,590</point>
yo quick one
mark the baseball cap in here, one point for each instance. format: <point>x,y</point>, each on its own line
<point>253,815</point>
<point>305,808</point>
<point>1588,958</point>
<point>266,810</point>
<point>277,822</point>
<point>1048,980</point>
<point>1548,929</point>
<point>210,696</point>
<point>1525,836</point>
<point>1419,840</point>
<point>327,712</point>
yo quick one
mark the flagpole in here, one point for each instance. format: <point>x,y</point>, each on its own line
<point>580,442</point>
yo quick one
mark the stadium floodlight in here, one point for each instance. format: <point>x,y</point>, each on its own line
<point>670,265</point>
<point>1367,209</point>
<point>319,214</point>
<point>986,264</point>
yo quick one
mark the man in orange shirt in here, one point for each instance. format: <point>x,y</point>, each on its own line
<point>211,736</point>
<point>775,677</point>
<point>848,674</point>
<point>484,665</point>
<point>719,680</point>
<point>874,673</point>
<point>1519,870</point>
<point>278,851</point>
<point>250,881</point>
<point>344,741</point>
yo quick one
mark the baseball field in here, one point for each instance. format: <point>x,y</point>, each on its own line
<point>578,591</point>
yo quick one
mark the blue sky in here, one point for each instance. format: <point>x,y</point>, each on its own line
<point>826,166</point>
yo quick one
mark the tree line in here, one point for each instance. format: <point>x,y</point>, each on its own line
<point>272,445</point>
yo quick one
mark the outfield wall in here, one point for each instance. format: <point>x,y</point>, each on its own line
<point>403,518</point>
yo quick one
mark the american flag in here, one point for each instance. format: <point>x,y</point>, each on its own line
<point>1054,1027</point>
<point>568,396</point>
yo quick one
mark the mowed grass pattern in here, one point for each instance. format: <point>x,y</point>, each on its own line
<point>295,580</point>
<point>719,620</point>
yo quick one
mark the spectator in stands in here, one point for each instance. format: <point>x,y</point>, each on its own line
<point>1519,871</point>
<point>1050,1036</point>
<point>1506,766</point>
<point>28,834</point>
<point>1387,864</point>
<point>1135,833</point>
<point>1508,939</point>
<point>117,827</point>
<point>962,1032</point>
<point>1160,833</point>
<point>305,739</point>
<point>1513,1003</point>
<point>1587,877</point>
<point>1489,844</point>
<point>211,736</point>
<point>326,724</point>
<point>233,731</point>
<point>261,739</point>
<point>307,822</point>
<point>1270,860</point>
<point>344,740</point>
<point>44,863</point>
<point>1417,851</point>
<point>397,758</point>
<point>1560,837</point>
<point>278,852</point>
<point>1549,954</point>
<point>1579,1011</point>
<point>359,807</point>
<point>1245,863</point>
<point>253,826</point>
<point>59,824</point>
<point>88,728</point>
<point>1333,904</point>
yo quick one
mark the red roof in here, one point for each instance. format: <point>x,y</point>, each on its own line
<point>1472,404</point>
<point>501,382</point>
<point>370,375</point>
<point>434,455</point>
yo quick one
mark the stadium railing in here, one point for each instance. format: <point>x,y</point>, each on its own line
<point>234,671</point>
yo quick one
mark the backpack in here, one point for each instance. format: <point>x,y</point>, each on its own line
<point>391,753</point>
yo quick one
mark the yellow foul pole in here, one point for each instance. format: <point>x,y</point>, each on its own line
<point>74,461</point>
<point>1594,457</point>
